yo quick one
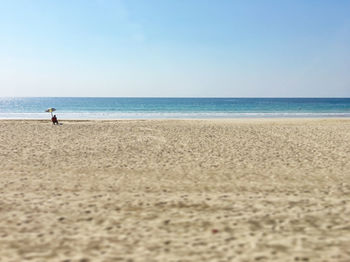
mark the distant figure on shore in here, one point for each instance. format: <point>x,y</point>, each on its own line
<point>54,120</point>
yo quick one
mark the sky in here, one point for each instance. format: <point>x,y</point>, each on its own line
<point>175,48</point>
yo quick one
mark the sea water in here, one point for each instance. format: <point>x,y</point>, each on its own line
<point>154,108</point>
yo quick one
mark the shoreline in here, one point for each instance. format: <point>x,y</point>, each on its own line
<point>185,119</point>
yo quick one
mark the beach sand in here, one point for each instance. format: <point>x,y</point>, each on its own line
<point>175,190</point>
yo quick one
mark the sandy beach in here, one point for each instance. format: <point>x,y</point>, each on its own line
<point>175,190</point>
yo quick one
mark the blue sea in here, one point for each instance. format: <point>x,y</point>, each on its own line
<point>155,108</point>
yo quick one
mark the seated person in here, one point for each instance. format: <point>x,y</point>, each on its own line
<point>54,120</point>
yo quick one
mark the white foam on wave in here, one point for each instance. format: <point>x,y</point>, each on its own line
<point>168,115</point>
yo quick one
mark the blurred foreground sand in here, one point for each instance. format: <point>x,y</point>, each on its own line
<point>175,190</point>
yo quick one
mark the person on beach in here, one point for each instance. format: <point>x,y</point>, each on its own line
<point>54,120</point>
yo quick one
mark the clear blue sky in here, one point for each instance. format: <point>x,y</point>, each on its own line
<point>178,48</point>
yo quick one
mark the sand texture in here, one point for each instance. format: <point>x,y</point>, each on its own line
<point>175,190</point>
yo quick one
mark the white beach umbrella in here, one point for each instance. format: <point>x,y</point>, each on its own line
<point>51,109</point>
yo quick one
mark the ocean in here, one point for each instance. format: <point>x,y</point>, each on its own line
<point>160,108</point>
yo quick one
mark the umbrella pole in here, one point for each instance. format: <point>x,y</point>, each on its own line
<point>51,114</point>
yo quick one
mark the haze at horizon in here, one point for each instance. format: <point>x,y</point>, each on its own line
<point>175,48</point>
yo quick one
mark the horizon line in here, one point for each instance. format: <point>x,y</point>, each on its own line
<point>176,97</point>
